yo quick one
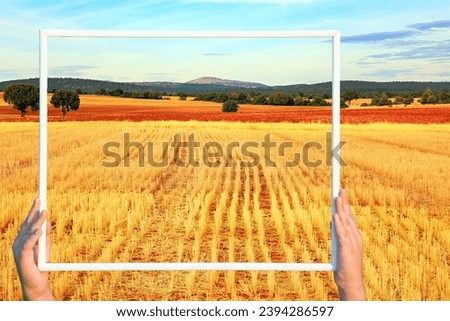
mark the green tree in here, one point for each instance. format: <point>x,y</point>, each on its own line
<point>444,97</point>
<point>428,97</point>
<point>66,99</point>
<point>260,100</point>
<point>319,101</point>
<point>152,94</point>
<point>408,100</point>
<point>21,97</point>
<point>242,98</point>
<point>230,106</point>
<point>280,99</point>
<point>404,98</point>
<point>183,95</point>
<point>350,95</point>
<point>116,92</point>
<point>221,98</point>
<point>101,92</point>
<point>380,99</point>
<point>302,100</point>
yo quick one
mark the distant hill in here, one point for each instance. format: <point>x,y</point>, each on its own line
<point>91,86</point>
<point>226,82</point>
<point>212,84</point>
<point>85,85</point>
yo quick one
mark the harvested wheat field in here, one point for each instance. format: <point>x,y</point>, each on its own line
<point>105,108</point>
<point>229,208</point>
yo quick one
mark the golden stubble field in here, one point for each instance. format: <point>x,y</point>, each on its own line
<point>396,176</point>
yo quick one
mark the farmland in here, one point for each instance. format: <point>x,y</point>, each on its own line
<point>101,108</point>
<point>396,175</point>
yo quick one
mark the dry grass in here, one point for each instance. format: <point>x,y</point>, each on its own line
<point>396,179</point>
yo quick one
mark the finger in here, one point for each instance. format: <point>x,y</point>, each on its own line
<point>27,226</point>
<point>34,211</point>
<point>339,226</point>
<point>31,229</point>
<point>32,239</point>
<point>351,221</point>
<point>341,210</point>
<point>350,212</point>
<point>39,221</point>
<point>347,220</point>
<point>345,202</point>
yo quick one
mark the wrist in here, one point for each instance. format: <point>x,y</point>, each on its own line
<point>46,295</point>
<point>352,293</point>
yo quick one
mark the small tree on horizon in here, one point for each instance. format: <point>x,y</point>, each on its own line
<point>381,99</point>
<point>280,98</point>
<point>230,106</point>
<point>21,97</point>
<point>428,97</point>
<point>183,95</point>
<point>350,95</point>
<point>66,99</point>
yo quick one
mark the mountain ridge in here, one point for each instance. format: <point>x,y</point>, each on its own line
<point>91,86</point>
<point>225,82</point>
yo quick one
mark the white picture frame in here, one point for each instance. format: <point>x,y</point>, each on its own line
<point>183,266</point>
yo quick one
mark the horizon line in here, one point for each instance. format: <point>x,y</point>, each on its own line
<point>225,79</point>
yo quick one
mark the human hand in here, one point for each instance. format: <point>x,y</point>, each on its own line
<point>35,283</point>
<point>349,273</point>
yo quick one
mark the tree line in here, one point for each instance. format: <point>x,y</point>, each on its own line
<point>277,98</point>
<point>428,96</point>
<point>365,88</point>
<point>118,92</point>
<point>280,98</point>
<point>24,96</point>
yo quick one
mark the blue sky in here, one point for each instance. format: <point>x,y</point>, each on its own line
<point>381,40</point>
